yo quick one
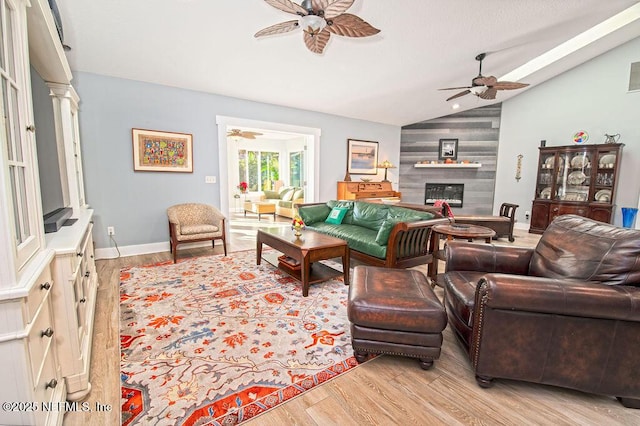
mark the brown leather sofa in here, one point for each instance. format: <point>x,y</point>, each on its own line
<point>566,313</point>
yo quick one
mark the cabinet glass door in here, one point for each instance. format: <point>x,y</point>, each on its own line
<point>574,176</point>
<point>544,187</point>
<point>605,176</point>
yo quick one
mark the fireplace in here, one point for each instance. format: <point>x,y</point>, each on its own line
<point>452,193</point>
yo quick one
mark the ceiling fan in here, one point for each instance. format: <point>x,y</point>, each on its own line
<point>485,87</point>
<point>237,133</point>
<point>319,19</point>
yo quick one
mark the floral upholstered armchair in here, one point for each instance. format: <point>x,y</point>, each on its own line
<point>192,222</point>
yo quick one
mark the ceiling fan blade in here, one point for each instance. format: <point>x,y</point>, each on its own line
<point>485,81</point>
<point>509,85</point>
<point>490,93</point>
<point>457,95</point>
<point>337,7</point>
<point>251,134</point>
<point>456,88</point>
<point>319,5</point>
<point>317,42</point>
<point>288,6</point>
<point>282,27</point>
<point>349,25</point>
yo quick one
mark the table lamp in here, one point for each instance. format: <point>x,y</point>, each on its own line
<point>386,165</point>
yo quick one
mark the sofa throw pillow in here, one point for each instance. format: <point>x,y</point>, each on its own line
<point>297,194</point>
<point>271,195</point>
<point>385,230</point>
<point>287,195</point>
<point>348,218</point>
<point>336,215</point>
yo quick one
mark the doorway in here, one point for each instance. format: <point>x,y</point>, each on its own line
<point>285,142</point>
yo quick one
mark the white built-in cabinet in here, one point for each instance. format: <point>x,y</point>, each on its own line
<point>48,284</point>
<point>32,383</point>
<point>74,301</point>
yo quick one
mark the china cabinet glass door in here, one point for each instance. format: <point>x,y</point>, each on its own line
<point>19,158</point>
<point>605,175</point>
<point>574,176</point>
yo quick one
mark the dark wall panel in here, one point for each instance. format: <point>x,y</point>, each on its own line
<point>477,132</point>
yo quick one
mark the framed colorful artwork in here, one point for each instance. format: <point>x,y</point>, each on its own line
<point>362,157</point>
<point>156,151</point>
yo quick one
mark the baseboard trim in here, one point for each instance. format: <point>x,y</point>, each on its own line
<point>126,251</point>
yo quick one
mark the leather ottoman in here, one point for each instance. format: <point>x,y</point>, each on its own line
<point>395,312</point>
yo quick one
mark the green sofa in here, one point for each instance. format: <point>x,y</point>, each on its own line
<point>377,234</point>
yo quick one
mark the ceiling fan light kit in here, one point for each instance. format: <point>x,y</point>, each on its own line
<point>484,87</point>
<point>318,20</point>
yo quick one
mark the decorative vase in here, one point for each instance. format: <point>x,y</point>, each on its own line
<point>628,216</point>
<point>297,231</point>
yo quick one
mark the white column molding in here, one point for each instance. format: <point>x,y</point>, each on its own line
<point>65,107</point>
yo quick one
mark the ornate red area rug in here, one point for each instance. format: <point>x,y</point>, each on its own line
<point>218,340</point>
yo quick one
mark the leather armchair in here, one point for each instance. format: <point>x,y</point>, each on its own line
<point>192,222</point>
<point>566,313</point>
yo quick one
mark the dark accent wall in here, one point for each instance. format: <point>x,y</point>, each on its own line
<point>477,131</point>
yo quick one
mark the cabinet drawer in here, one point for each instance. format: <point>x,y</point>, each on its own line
<point>84,249</point>
<point>38,292</point>
<point>49,380</point>
<point>375,194</point>
<point>40,339</point>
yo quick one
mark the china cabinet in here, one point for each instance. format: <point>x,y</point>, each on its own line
<point>575,179</point>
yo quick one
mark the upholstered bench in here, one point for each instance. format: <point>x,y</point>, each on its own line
<point>395,312</point>
<point>501,224</point>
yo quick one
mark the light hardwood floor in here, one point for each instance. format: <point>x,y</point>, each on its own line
<point>384,391</point>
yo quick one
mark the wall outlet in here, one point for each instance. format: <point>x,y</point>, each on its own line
<point>209,179</point>
<point>527,214</point>
<point>111,230</point>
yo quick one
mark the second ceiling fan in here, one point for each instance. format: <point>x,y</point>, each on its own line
<point>485,87</point>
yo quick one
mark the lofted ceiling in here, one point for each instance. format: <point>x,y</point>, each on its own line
<point>391,77</point>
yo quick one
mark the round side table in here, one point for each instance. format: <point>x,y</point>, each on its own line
<point>452,231</point>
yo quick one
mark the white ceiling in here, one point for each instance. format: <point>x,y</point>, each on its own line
<point>392,77</point>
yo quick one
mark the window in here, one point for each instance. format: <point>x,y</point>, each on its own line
<point>15,139</point>
<point>296,168</point>
<point>260,169</point>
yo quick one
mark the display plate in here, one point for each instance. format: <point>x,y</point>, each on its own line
<point>607,161</point>
<point>604,196</point>
<point>576,178</point>
<point>580,161</point>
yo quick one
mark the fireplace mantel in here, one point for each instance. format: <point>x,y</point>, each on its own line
<point>449,166</point>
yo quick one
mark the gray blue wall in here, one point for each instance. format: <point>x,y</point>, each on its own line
<point>135,202</point>
<point>592,97</point>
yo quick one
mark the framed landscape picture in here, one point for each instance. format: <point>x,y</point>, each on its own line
<point>362,157</point>
<point>157,151</point>
<point>448,149</point>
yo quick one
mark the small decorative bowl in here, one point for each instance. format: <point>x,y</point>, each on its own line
<point>365,180</point>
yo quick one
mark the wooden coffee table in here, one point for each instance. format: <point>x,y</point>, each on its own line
<point>451,231</point>
<point>259,208</point>
<point>309,248</point>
